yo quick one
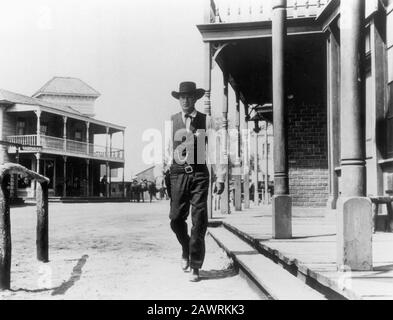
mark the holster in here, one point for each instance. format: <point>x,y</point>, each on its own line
<point>167,178</point>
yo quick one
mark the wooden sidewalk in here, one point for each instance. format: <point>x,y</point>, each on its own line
<point>312,250</point>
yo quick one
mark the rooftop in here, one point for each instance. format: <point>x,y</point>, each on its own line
<point>67,86</point>
<point>9,97</point>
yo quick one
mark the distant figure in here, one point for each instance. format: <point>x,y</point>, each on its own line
<point>103,183</point>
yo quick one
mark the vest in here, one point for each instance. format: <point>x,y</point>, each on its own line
<point>182,154</point>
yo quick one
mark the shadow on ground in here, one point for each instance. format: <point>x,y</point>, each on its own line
<point>217,274</point>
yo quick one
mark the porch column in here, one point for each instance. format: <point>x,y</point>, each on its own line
<point>54,177</point>
<point>333,85</point>
<point>354,227</point>
<point>107,177</point>
<point>87,138</point>
<point>266,163</point>
<point>225,209</point>
<point>107,143</point>
<point>255,173</point>
<point>237,170</point>
<point>87,177</point>
<point>246,159</point>
<point>38,114</point>
<point>282,201</point>
<point>110,145</point>
<point>65,133</point>
<point>378,90</point>
<point>64,176</point>
<point>124,185</point>
<point>208,78</point>
<point>38,157</point>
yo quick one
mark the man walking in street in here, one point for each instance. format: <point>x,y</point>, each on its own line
<point>188,176</point>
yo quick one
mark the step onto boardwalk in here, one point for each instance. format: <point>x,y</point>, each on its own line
<point>266,275</point>
<point>311,253</point>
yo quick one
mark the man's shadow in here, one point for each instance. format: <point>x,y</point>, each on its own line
<point>217,274</point>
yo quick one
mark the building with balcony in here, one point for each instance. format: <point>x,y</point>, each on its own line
<point>60,138</point>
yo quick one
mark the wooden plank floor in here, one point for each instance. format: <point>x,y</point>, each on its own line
<point>313,250</point>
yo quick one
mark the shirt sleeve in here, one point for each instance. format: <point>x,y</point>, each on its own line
<point>217,154</point>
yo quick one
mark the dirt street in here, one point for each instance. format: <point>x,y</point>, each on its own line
<point>113,251</point>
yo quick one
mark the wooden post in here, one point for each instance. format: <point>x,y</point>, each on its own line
<point>124,185</point>
<point>87,138</point>
<point>110,145</point>
<point>107,178</point>
<point>207,83</point>
<point>355,211</point>
<point>333,73</point>
<point>5,235</point>
<point>255,174</point>
<point>107,143</point>
<point>266,163</point>
<point>225,208</point>
<point>87,177</point>
<point>246,159</point>
<point>42,222</point>
<point>54,177</point>
<point>378,85</point>
<point>282,201</point>
<point>237,174</point>
<point>64,176</point>
<point>65,133</point>
<point>38,114</point>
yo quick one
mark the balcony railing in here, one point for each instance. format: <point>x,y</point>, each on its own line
<point>225,11</point>
<point>68,146</point>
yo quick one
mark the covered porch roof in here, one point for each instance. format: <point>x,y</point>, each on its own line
<point>249,65</point>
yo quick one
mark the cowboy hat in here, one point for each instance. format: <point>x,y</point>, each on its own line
<point>190,88</point>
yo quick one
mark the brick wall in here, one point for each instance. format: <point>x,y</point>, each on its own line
<point>308,157</point>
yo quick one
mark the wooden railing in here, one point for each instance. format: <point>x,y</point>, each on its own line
<point>25,140</point>
<point>226,11</point>
<point>69,146</point>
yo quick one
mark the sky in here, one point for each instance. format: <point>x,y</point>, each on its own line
<point>134,52</point>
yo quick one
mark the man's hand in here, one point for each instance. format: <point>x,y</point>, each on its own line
<point>220,187</point>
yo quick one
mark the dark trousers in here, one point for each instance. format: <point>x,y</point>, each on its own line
<point>190,190</point>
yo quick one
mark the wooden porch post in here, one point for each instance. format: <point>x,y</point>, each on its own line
<point>355,213</point>
<point>107,143</point>
<point>282,201</point>
<point>87,137</point>
<point>225,208</point>
<point>54,177</point>
<point>208,67</point>
<point>255,173</point>
<point>266,163</point>
<point>107,178</point>
<point>333,73</point>
<point>124,185</point>
<point>87,177</point>
<point>237,173</point>
<point>38,114</point>
<point>246,159</point>
<point>65,133</point>
<point>38,157</point>
<point>64,176</point>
